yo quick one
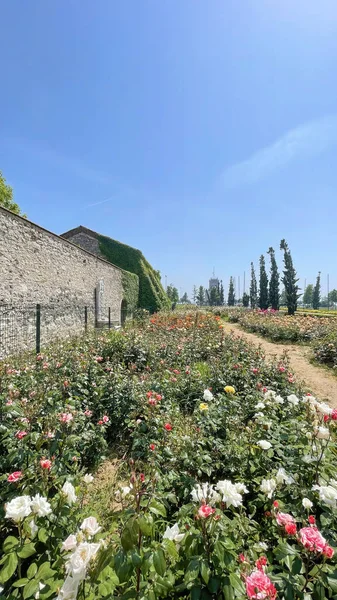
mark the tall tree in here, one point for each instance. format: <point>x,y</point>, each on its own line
<point>213,296</point>
<point>333,296</point>
<point>274,282</point>
<point>172,293</point>
<point>263,293</point>
<point>184,299</point>
<point>245,300</point>
<point>195,293</point>
<point>316,296</point>
<point>308,293</point>
<point>231,293</point>
<point>253,288</point>
<point>201,296</point>
<point>6,197</point>
<point>221,294</point>
<point>289,279</point>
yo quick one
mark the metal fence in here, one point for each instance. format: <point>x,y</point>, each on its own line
<point>32,326</point>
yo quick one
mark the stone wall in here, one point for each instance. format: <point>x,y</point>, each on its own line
<point>37,266</point>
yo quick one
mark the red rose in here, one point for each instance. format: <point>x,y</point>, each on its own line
<point>45,463</point>
<point>14,477</point>
<point>168,427</point>
<point>312,520</point>
<point>291,528</point>
<point>152,447</point>
<point>328,551</point>
<point>261,562</point>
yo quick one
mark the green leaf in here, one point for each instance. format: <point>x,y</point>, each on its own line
<point>146,524</point>
<point>157,508</point>
<point>192,570</point>
<point>237,583</point>
<point>32,570</point>
<point>45,571</point>
<point>214,584</point>
<point>27,550</point>
<point>227,590</point>
<point>9,567</point>
<point>159,562</point>
<point>136,559</point>
<point>20,582</point>
<point>43,535</point>
<point>30,589</point>
<point>195,592</point>
<point>332,581</point>
<point>205,572</point>
<point>10,543</point>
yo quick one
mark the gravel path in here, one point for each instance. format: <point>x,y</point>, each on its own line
<point>318,380</point>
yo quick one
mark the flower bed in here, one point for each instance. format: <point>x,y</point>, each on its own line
<point>279,327</point>
<point>325,351</point>
<point>228,486</point>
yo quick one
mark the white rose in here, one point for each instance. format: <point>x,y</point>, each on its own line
<point>33,528</point>
<point>40,506</point>
<point>322,433</point>
<point>88,478</point>
<point>68,491</point>
<point>283,477</point>
<point>70,543</point>
<point>279,400</point>
<point>208,395</point>
<point>292,399</point>
<point>230,492</point>
<point>268,486</point>
<point>323,408</point>
<point>206,493</point>
<point>307,503</point>
<point>241,488</point>
<point>173,533</point>
<point>327,493</point>
<point>260,405</point>
<point>80,559</point>
<point>258,415</point>
<point>18,508</point>
<point>69,589</point>
<point>264,444</point>
<point>270,395</point>
<point>90,526</point>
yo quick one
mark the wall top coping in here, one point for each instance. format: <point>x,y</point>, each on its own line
<point>61,238</point>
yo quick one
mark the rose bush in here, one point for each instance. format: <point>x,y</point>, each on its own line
<point>228,481</point>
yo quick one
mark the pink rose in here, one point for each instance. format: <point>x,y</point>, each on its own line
<point>20,434</point>
<point>45,463</point>
<point>205,511</point>
<point>88,413</point>
<point>328,551</point>
<point>312,539</point>
<point>66,417</point>
<point>106,419</point>
<point>14,477</point>
<point>259,586</point>
<point>284,518</point>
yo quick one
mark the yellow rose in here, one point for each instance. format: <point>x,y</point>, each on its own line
<point>229,389</point>
<point>203,406</point>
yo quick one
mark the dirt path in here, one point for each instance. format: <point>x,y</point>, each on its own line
<point>318,380</point>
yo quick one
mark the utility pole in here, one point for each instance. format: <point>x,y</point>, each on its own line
<point>239,287</point>
<point>244,282</point>
<point>327,281</point>
<point>166,283</point>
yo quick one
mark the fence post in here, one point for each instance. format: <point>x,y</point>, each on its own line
<point>96,304</point>
<point>109,317</point>
<point>85,318</point>
<point>38,328</point>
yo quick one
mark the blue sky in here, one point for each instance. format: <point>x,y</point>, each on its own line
<point>201,132</point>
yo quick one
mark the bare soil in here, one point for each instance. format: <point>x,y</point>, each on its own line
<point>317,379</point>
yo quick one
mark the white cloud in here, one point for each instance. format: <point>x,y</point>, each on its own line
<point>304,141</point>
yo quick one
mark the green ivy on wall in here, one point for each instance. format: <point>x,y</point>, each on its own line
<point>130,282</point>
<point>151,293</point>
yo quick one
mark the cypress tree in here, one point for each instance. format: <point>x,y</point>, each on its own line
<point>263,294</point>
<point>222,294</point>
<point>274,282</point>
<point>289,279</point>
<point>245,300</point>
<point>253,288</point>
<point>316,296</point>
<point>231,293</point>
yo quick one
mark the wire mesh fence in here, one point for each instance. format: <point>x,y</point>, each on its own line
<point>32,326</point>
